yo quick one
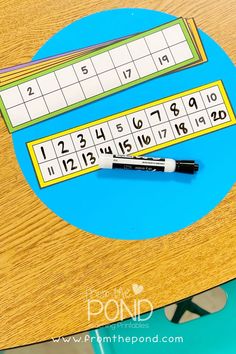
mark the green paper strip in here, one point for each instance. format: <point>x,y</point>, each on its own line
<point>195,58</point>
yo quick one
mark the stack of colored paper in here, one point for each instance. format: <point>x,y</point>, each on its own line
<point>42,89</point>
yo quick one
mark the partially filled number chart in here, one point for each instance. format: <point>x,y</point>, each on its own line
<point>141,130</point>
<point>117,66</point>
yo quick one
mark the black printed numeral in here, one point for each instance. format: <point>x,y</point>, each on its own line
<point>43,152</point>
<point>100,134</point>
<point>51,171</point>
<point>82,141</point>
<point>157,112</point>
<point>137,123</point>
<point>119,128</point>
<point>193,103</point>
<point>199,121</point>
<point>69,165</point>
<point>211,97</point>
<point>174,109</point>
<point>106,150</point>
<point>181,129</point>
<point>220,115</point>
<point>30,91</point>
<point>144,140</point>
<point>127,73</point>
<point>162,133</point>
<point>125,146</point>
<point>84,70</point>
<point>164,59</point>
<point>63,150</point>
<point>89,158</point>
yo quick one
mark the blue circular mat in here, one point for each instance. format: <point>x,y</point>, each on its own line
<point>137,205</point>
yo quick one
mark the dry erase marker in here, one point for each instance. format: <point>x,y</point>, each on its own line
<point>148,164</point>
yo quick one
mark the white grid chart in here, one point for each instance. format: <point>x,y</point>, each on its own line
<point>103,72</point>
<point>132,133</point>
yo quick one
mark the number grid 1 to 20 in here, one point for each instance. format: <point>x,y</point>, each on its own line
<point>140,130</point>
<point>113,68</point>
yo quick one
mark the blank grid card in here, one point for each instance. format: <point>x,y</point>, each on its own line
<point>137,131</point>
<point>118,66</point>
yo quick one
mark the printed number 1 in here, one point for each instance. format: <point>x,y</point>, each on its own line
<point>43,152</point>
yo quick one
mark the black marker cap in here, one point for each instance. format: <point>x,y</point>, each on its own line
<point>186,166</point>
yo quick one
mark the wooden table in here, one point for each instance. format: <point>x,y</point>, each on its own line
<point>46,265</point>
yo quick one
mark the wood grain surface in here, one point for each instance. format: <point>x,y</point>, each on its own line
<point>46,265</point>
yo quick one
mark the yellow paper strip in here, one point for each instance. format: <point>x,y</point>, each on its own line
<point>137,131</point>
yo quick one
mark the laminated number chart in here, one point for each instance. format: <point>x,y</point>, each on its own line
<point>98,73</point>
<point>140,130</point>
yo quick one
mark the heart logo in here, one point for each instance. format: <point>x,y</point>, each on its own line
<point>137,289</point>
